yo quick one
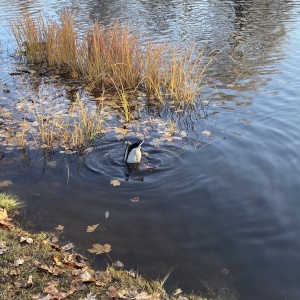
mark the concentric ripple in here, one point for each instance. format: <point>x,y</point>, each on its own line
<point>107,161</point>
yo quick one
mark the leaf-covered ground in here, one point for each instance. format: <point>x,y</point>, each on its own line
<point>34,266</point>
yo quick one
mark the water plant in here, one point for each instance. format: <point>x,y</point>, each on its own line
<point>9,201</point>
<point>73,126</point>
<point>112,58</point>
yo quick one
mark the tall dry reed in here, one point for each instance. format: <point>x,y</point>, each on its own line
<point>112,58</point>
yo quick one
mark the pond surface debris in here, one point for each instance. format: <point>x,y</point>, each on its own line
<point>35,266</point>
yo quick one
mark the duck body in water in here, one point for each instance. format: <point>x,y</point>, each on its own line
<point>133,153</point>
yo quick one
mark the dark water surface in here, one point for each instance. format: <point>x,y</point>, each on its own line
<point>234,203</point>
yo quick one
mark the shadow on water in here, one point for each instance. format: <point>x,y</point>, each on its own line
<point>205,203</point>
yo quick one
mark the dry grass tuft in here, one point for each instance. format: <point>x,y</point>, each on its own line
<point>112,58</point>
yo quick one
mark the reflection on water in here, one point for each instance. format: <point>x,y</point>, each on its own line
<point>206,202</point>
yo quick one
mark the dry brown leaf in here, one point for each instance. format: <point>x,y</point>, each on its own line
<point>24,283</point>
<point>14,272</point>
<point>50,269</point>
<point>60,227</point>
<point>118,264</point>
<point>112,292</point>
<point>3,247</point>
<point>7,224</point>
<point>135,199</point>
<point>74,259</point>
<point>92,228</point>
<point>5,183</point>
<point>88,276</point>
<point>115,182</point>
<point>27,240</point>
<point>18,262</point>
<point>57,260</point>
<point>143,296</point>
<point>102,278</point>
<point>68,247</point>
<point>98,249</point>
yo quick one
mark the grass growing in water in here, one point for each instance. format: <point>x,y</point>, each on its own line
<point>112,58</point>
<point>9,202</point>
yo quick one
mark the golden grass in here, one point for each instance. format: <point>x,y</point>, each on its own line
<point>76,127</point>
<point>112,58</point>
<point>9,202</point>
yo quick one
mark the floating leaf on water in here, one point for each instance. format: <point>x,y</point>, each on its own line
<point>52,164</point>
<point>135,199</point>
<point>156,142</point>
<point>118,264</point>
<point>115,182</point>
<point>206,132</point>
<point>5,183</point>
<point>224,271</point>
<point>92,228</point>
<point>99,249</point>
<point>60,227</point>
<point>106,214</point>
<point>183,133</point>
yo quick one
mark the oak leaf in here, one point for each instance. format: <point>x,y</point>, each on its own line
<point>98,249</point>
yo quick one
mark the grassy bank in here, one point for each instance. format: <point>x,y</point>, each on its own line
<point>34,266</point>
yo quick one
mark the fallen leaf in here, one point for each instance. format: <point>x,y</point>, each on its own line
<point>112,292</point>
<point>60,227</point>
<point>75,260</point>
<point>206,132</point>
<point>92,228</point>
<point>3,247</point>
<point>224,271</point>
<point>68,247</point>
<point>98,249</point>
<point>143,296</point>
<point>5,183</point>
<point>24,283</point>
<point>18,262</point>
<point>123,294</point>
<point>89,296</point>
<point>88,276</point>
<point>40,297</point>
<point>115,182</point>
<point>135,199</point>
<point>156,142</point>
<point>7,224</point>
<point>118,264</point>
<point>102,278</point>
<point>50,269</point>
<point>28,240</point>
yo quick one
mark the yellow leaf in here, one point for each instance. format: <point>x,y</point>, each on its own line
<point>88,276</point>
<point>115,182</point>
<point>60,227</point>
<point>92,228</point>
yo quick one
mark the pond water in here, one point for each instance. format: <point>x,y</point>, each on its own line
<point>221,208</point>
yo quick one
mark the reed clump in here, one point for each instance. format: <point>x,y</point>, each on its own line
<point>113,58</point>
<point>74,128</point>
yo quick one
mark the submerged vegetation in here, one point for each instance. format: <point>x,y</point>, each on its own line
<point>112,59</point>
